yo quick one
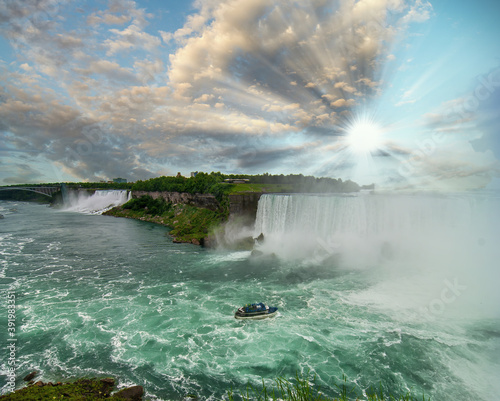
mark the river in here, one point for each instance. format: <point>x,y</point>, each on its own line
<point>103,296</point>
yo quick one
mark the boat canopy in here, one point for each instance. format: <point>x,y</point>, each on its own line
<point>254,307</point>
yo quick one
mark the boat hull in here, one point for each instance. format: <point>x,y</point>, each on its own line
<point>256,316</point>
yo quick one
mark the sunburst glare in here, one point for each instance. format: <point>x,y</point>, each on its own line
<point>364,135</point>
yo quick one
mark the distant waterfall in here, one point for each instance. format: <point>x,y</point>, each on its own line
<point>299,225</point>
<point>97,203</point>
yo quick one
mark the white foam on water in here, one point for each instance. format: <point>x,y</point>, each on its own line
<point>217,257</point>
<point>85,317</point>
<point>307,338</point>
<point>177,333</point>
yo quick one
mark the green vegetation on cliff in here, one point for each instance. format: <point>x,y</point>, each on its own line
<point>240,189</point>
<point>302,183</point>
<point>79,390</point>
<point>188,223</point>
<point>202,183</point>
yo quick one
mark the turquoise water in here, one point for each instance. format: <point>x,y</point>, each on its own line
<point>102,296</point>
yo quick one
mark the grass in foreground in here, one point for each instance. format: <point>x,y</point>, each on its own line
<point>305,389</point>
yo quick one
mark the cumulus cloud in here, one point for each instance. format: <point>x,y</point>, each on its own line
<point>132,36</point>
<point>291,52</point>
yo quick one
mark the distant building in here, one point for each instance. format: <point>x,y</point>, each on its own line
<point>120,180</point>
<point>194,173</point>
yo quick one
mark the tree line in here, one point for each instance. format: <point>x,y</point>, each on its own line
<point>214,183</point>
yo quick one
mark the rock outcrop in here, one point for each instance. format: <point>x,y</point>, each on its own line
<point>244,204</point>
<point>94,389</point>
<point>131,394</point>
<point>30,376</point>
<point>206,201</point>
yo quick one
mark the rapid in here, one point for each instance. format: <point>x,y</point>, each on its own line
<point>391,290</point>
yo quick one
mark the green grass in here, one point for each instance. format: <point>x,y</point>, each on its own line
<point>306,389</point>
<point>188,223</point>
<point>245,188</point>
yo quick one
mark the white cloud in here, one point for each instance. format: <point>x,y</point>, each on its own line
<point>131,37</point>
<point>26,67</point>
<point>343,103</point>
<point>403,102</point>
<point>420,11</point>
<point>110,69</point>
<point>147,70</point>
<point>166,36</point>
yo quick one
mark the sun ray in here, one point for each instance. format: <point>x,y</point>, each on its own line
<point>364,136</point>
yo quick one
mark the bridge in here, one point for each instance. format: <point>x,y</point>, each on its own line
<point>47,191</point>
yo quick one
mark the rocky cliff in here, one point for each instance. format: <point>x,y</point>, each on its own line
<point>244,204</point>
<point>239,204</point>
<point>205,201</point>
<point>200,219</point>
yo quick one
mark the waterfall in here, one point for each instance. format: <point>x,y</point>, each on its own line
<point>302,225</point>
<point>96,203</point>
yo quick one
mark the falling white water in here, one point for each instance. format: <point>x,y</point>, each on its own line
<point>97,203</point>
<point>420,246</point>
<point>301,223</point>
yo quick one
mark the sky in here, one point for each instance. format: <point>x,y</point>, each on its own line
<point>401,93</point>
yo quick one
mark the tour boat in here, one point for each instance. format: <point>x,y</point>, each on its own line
<point>255,311</point>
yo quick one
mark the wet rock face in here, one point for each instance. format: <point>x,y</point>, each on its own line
<point>132,393</point>
<point>244,204</point>
<point>109,381</point>
<point>206,201</point>
<point>30,376</point>
<point>241,204</point>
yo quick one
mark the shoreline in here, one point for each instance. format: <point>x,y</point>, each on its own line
<point>193,225</point>
<point>187,224</point>
<point>299,388</point>
<point>78,389</point>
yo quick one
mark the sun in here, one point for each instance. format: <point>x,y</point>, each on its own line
<point>364,136</point>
